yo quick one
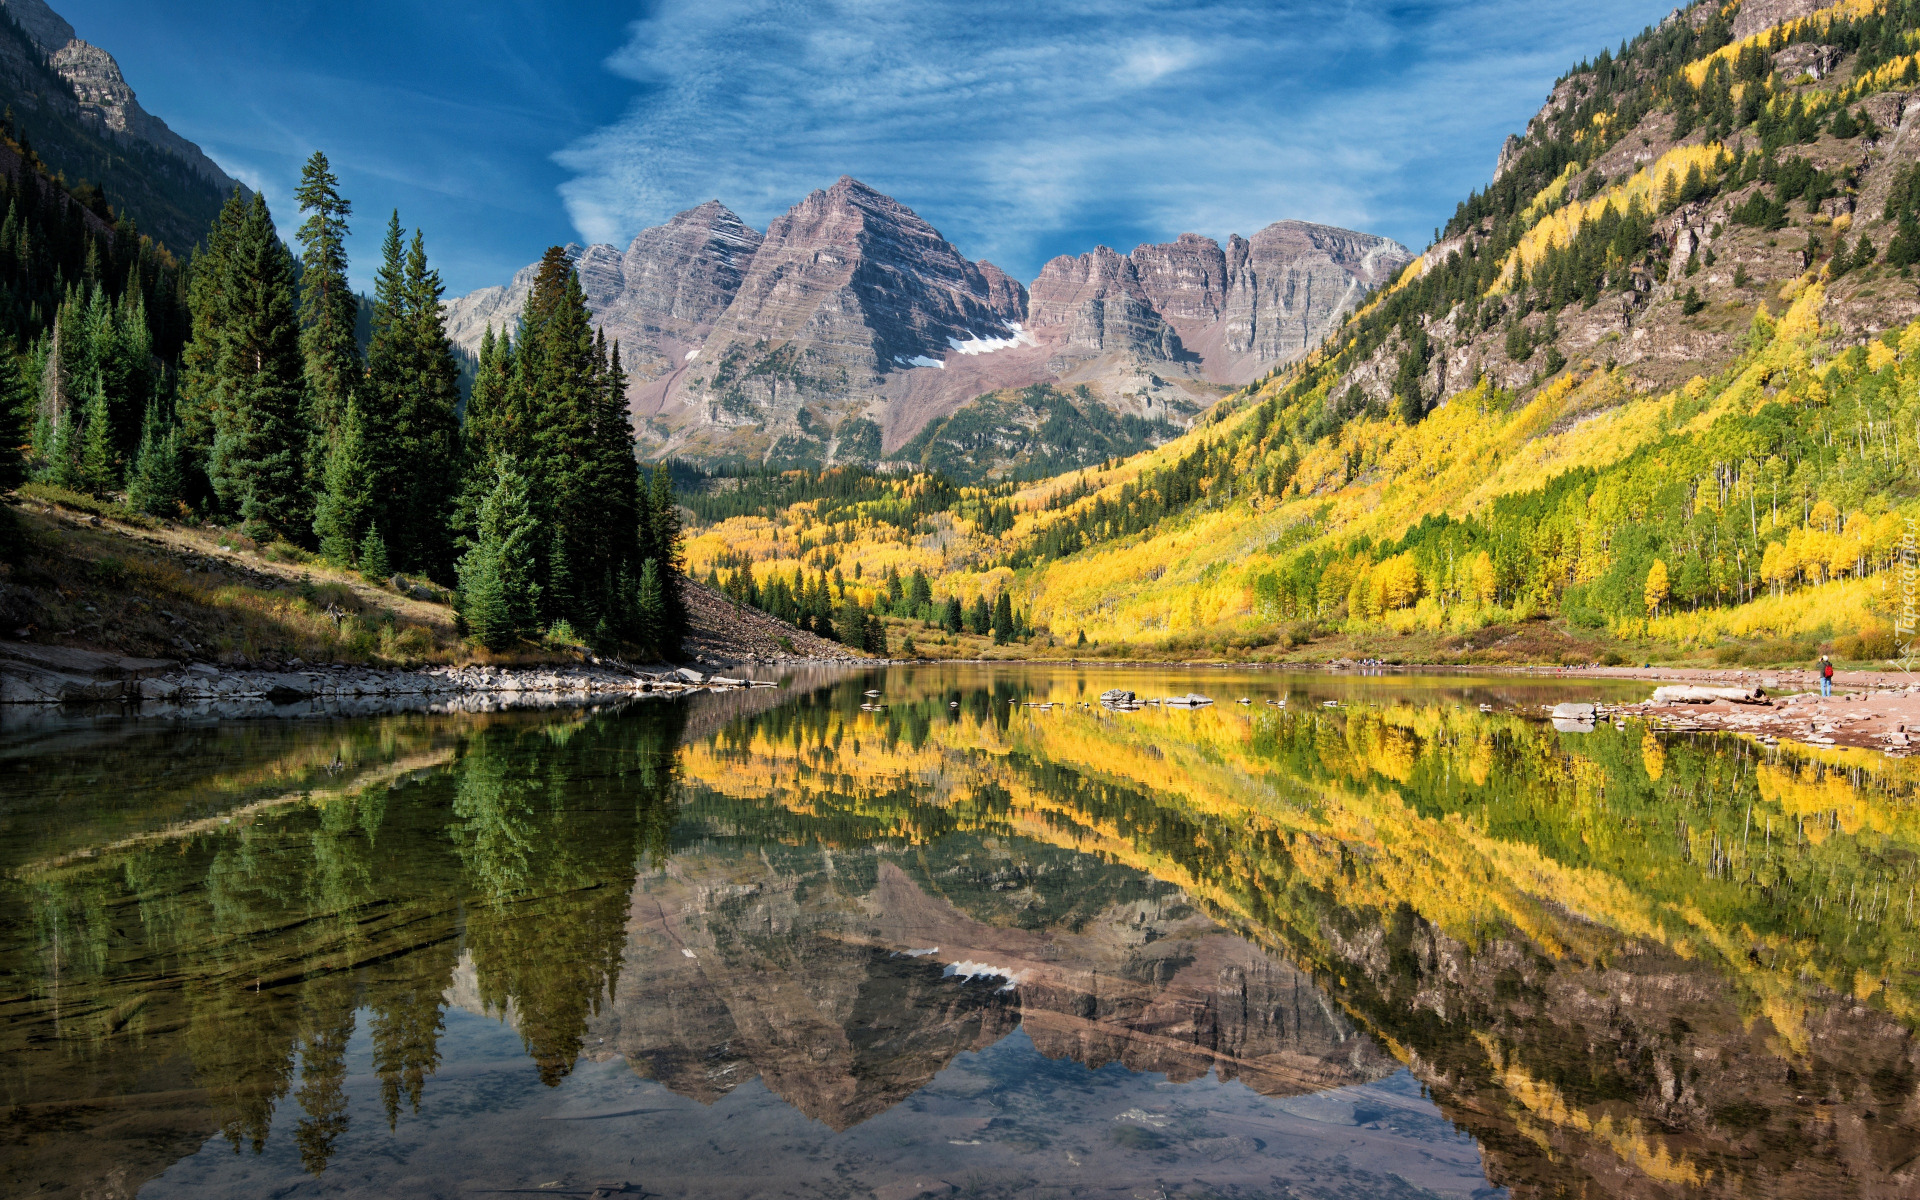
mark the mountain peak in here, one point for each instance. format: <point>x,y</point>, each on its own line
<point>102,91</point>
<point>851,307</point>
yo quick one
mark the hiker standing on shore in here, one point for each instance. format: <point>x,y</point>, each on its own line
<point>1826,676</point>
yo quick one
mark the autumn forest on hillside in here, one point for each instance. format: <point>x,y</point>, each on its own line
<point>1485,463</point>
<point>1363,502</point>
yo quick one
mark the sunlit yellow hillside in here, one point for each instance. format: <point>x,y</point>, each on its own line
<point>1650,394</point>
<point>1223,566</point>
<point>1479,823</point>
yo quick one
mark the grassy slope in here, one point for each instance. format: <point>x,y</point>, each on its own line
<point>95,576</point>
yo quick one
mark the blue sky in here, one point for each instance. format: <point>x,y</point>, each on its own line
<point>1020,130</point>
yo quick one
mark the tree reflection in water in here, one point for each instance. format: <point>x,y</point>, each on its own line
<point>1626,963</point>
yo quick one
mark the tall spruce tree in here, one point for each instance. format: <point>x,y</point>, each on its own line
<point>481,437</point>
<point>158,481</point>
<point>209,310</point>
<point>327,308</point>
<point>560,370</point>
<point>260,442</point>
<point>430,412</point>
<point>345,507</point>
<point>16,400</point>
<point>380,402</point>
<point>663,513</point>
<point>614,483</point>
<point>411,426</point>
<point>99,466</point>
<point>499,595</point>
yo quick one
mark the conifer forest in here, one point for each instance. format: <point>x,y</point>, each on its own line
<point>231,387</point>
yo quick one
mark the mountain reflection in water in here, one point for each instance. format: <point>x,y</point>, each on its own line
<point>781,943</point>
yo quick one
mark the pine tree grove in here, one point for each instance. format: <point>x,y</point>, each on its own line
<point>232,388</point>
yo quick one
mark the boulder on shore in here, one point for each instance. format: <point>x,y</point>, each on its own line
<point>1690,693</point>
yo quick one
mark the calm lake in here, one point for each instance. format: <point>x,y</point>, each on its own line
<point>1355,938</point>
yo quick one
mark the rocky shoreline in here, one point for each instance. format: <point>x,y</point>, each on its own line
<point>54,675</point>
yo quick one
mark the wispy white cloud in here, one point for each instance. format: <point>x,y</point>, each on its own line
<point>1021,130</point>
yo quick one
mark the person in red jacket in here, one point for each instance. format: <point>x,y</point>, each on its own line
<point>1826,676</point>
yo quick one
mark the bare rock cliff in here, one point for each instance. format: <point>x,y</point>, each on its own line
<point>1293,282</point>
<point>659,297</point>
<point>852,308</point>
<point>1230,313</point>
<point>1095,303</point>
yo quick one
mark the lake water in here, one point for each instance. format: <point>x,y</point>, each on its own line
<point>1376,942</point>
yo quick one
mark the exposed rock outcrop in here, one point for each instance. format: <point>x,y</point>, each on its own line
<point>660,297</point>
<point>1231,313</point>
<point>1755,15</point>
<point>101,90</point>
<point>1095,303</point>
<point>852,307</point>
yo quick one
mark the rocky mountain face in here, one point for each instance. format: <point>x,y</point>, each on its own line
<point>845,988</point>
<point>660,296</point>
<point>1233,311</point>
<point>852,324</point>
<point>102,91</point>
<point>69,99</point>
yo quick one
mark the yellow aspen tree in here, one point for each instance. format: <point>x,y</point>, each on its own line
<point>1657,587</point>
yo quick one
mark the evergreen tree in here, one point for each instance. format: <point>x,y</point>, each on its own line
<point>853,624</point>
<point>15,398</point>
<point>952,619</point>
<point>486,429</point>
<point>209,312</point>
<point>554,385</point>
<point>431,414</point>
<point>499,595</point>
<point>98,467</point>
<point>980,618</point>
<point>560,602</point>
<point>483,433</point>
<point>650,617</point>
<point>411,431</point>
<point>615,478</point>
<point>372,560</point>
<point>345,506</point>
<point>259,432</point>
<point>158,482</point>
<point>1002,619</point>
<point>663,509</point>
<point>328,308</point>
<point>61,466</point>
<point>919,591</point>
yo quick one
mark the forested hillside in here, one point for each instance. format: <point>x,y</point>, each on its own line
<point>232,392</point>
<point>1654,386</point>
